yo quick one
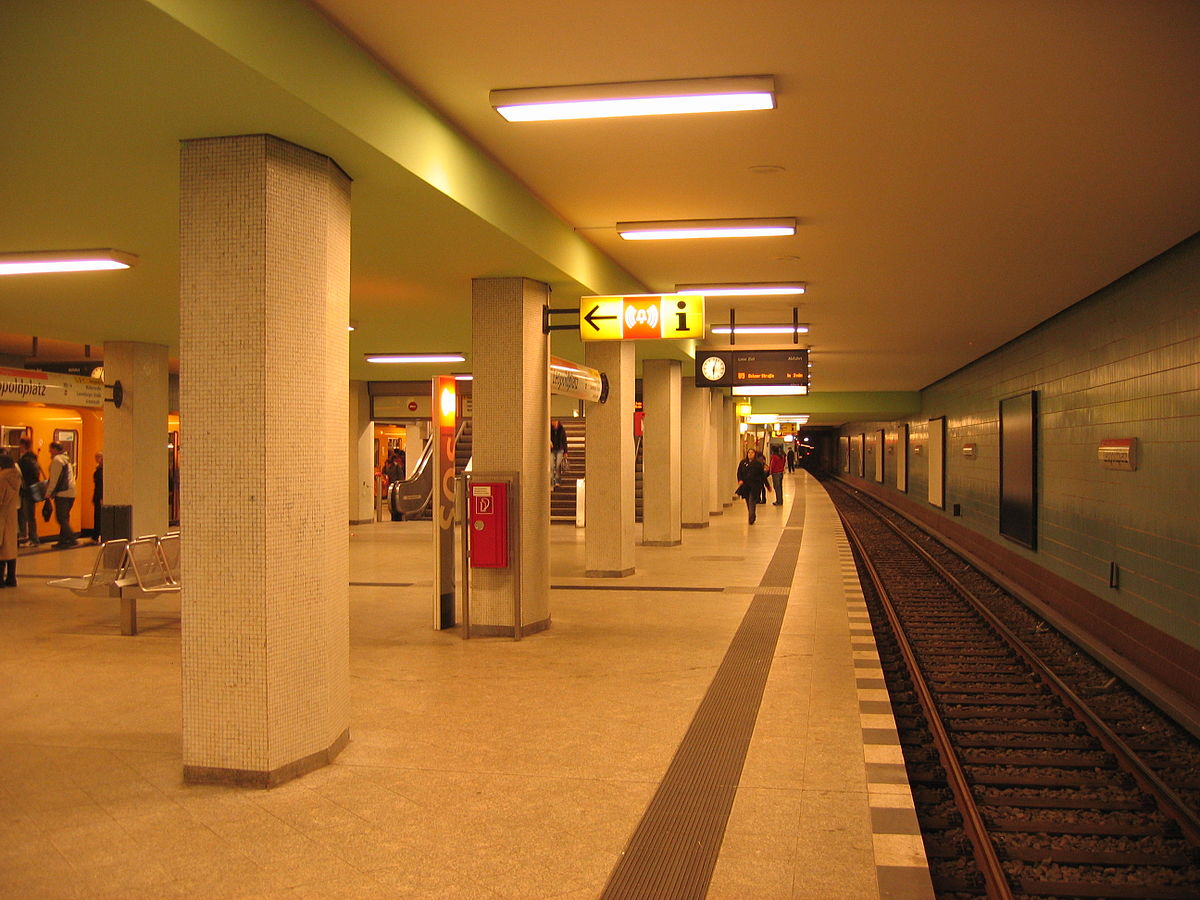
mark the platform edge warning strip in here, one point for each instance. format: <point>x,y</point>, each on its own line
<point>674,849</point>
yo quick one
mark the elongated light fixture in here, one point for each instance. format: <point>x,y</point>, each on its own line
<point>747,289</point>
<point>46,261</point>
<point>415,357</point>
<point>771,390</point>
<point>683,229</point>
<point>758,329</point>
<point>645,98</point>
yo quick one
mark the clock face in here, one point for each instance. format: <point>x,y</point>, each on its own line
<point>713,368</point>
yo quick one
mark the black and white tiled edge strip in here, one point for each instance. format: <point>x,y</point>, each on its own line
<point>901,867</point>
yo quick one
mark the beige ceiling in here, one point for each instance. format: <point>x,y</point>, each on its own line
<point>961,170</point>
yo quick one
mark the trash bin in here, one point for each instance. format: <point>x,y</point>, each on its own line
<point>116,522</point>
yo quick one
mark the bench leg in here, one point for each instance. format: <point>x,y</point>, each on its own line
<point>128,615</point>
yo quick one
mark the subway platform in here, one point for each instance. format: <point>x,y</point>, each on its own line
<point>714,725</point>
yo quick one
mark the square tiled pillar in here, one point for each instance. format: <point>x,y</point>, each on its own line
<point>727,454</point>
<point>510,432</point>
<point>361,450</point>
<point>716,439</point>
<point>696,458</point>
<point>661,399</point>
<point>135,466</point>
<point>609,499</point>
<point>264,301</point>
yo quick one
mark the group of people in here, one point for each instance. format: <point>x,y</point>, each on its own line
<point>22,488</point>
<point>756,476</point>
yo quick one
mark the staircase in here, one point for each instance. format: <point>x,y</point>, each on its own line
<point>562,498</point>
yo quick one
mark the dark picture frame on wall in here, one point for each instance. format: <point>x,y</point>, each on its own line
<point>1018,469</point>
<point>935,460</point>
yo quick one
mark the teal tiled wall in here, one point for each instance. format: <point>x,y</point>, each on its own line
<point>1122,363</point>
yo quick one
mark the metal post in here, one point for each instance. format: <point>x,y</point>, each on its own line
<point>461,492</point>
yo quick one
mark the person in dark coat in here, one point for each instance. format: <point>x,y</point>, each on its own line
<point>752,480</point>
<point>10,502</point>
<point>97,496</point>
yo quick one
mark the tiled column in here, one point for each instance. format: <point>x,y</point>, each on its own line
<point>135,435</point>
<point>609,501</point>
<point>716,440</point>
<point>510,432</point>
<point>264,301</point>
<point>661,400</point>
<point>696,456</point>
<point>361,486</point>
<point>728,451</point>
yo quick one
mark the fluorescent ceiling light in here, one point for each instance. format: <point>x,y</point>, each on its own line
<point>771,390</point>
<point>646,98</point>
<point>798,419</point>
<point>705,228</point>
<point>44,261</point>
<point>748,289</point>
<point>759,329</point>
<point>415,357</point>
<point>762,418</point>
<point>461,377</point>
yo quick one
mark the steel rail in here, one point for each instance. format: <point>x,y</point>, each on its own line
<point>995,881</point>
<point>1169,802</point>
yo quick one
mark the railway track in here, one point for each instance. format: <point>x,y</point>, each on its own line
<point>1036,771</point>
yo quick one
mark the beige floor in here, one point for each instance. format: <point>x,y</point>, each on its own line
<point>483,768</point>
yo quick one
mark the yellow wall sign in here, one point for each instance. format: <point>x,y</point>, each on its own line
<point>641,317</point>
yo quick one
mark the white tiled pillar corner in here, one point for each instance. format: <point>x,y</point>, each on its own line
<point>510,432</point>
<point>609,499</point>
<point>696,456</point>
<point>661,484</point>
<point>264,301</point>
<point>727,451</point>
<point>135,434</point>
<point>716,437</point>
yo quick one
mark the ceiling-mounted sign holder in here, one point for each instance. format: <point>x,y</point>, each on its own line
<point>548,311</point>
<point>795,329</point>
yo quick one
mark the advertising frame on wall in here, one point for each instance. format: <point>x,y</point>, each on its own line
<point>902,458</point>
<point>937,462</point>
<point>1018,469</point>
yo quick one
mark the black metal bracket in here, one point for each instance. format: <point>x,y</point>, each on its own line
<point>117,397</point>
<point>547,312</point>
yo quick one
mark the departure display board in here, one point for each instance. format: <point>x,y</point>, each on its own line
<point>739,368</point>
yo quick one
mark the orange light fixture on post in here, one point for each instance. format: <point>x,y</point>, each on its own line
<point>445,419</point>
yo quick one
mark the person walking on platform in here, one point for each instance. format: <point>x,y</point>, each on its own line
<point>777,467</point>
<point>97,496</point>
<point>791,459</point>
<point>10,503</point>
<point>558,452</point>
<point>31,491</point>
<point>60,487</point>
<point>751,479</point>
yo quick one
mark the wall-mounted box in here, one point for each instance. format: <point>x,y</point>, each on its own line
<point>1118,453</point>
<point>968,451</point>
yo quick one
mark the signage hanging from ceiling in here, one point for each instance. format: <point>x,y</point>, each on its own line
<point>741,368</point>
<point>642,317</point>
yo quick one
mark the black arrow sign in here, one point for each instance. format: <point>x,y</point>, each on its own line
<point>591,318</point>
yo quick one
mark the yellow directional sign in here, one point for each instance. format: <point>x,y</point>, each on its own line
<point>641,317</point>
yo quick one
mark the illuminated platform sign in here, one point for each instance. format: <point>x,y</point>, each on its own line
<point>642,317</point>
<point>741,368</point>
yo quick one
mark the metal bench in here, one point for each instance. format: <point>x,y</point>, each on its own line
<point>147,573</point>
<point>108,567</point>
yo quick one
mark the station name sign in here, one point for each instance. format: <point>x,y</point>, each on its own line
<point>641,317</point>
<point>738,368</point>
<point>32,386</point>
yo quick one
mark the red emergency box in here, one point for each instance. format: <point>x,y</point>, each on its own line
<point>488,516</point>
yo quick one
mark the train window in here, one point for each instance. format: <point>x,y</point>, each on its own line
<point>69,438</point>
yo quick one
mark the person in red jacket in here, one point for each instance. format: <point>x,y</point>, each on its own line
<point>778,464</point>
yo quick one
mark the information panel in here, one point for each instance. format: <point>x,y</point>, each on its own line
<point>642,317</point>
<point>738,368</point>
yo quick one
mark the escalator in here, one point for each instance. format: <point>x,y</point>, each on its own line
<point>410,499</point>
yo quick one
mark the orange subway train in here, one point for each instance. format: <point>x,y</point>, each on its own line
<point>81,432</point>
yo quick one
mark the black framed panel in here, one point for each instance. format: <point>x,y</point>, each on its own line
<point>1018,469</point>
<point>937,462</point>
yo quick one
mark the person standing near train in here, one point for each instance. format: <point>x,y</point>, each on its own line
<point>778,464</point>
<point>60,487</point>
<point>31,479</point>
<point>10,505</point>
<point>97,496</point>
